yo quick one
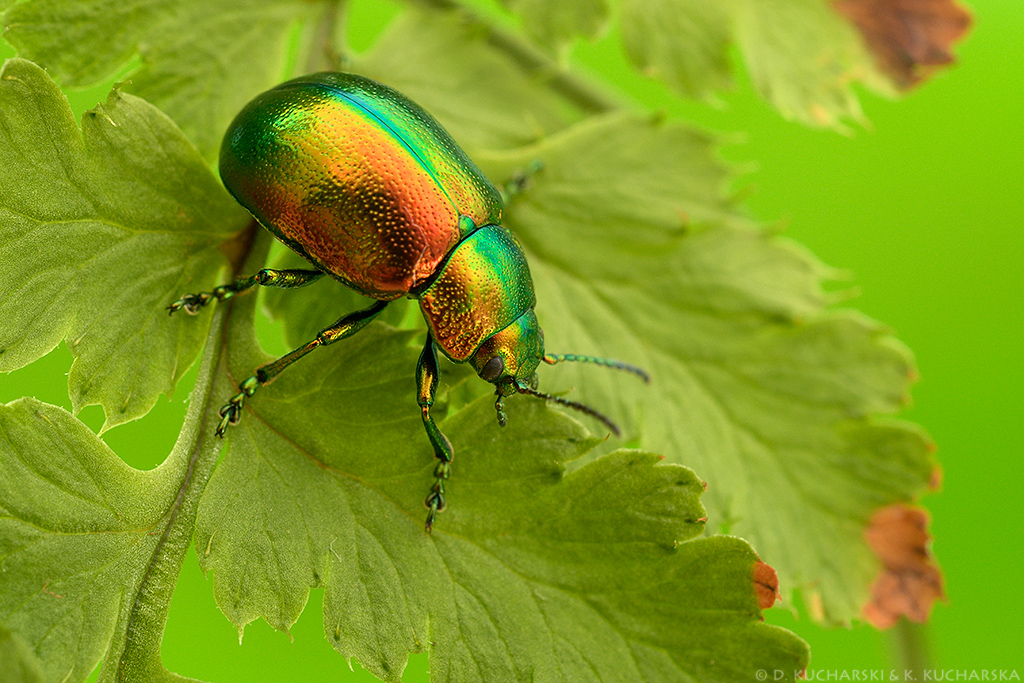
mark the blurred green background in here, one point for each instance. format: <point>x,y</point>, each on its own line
<point>925,208</point>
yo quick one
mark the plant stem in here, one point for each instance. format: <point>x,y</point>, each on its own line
<point>537,64</point>
<point>324,52</point>
<point>135,650</point>
<point>910,647</point>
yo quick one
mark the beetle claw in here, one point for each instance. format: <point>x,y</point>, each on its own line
<point>190,303</point>
<point>231,412</point>
<point>434,503</point>
<point>223,426</point>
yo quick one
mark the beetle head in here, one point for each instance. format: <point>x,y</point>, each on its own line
<point>509,359</point>
<point>511,355</point>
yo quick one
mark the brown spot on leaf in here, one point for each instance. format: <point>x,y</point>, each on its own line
<point>910,39</point>
<point>48,592</point>
<point>910,582</point>
<point>766,585</point>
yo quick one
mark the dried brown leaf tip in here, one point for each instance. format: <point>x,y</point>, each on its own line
<point>766,585</point>
<point>910,39</point>
<point>910,582</point>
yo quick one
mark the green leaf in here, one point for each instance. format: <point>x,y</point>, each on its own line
<point>681,42</point>
<point>20,665</point>
<point>637,256</point>
<point>529,574</point>
<point>75,535</point>
<point>478,93</point>
<point>554,24</point>
<point>80,43</point>
<point>532,573</point>
<point>90,549</point>
<point>202,60</point>
<point>802,56</point>
<point>100,229</point>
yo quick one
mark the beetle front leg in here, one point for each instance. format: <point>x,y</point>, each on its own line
<point>268,277</point>
<point>231,412</point>
<point>427,376</point>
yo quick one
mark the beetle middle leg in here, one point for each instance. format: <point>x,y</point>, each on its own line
<point>268,277</point>
<point>427,375</point>
<point>231,412</point>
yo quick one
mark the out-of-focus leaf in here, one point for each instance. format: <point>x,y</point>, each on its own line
<point>475,91</point>
<point>637,256</point>
<point>910,582</point>
<point>554,24</point>
<point>803,55</point>
<point>803,58</point>
<point>529,574</point>
<point>202,60</point>
<point>20,665</point>
<point>909,38</point>
<point>681,42</point>
<point>100,229</point>
<point>82,42</point>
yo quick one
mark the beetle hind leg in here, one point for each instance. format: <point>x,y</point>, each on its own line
<point>427,375</point>
<point>231,412</point>
<point>520,180</point>
<point>268,277</point>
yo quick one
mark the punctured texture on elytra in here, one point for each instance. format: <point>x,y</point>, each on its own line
<point>357,179</point>
<point>484,287</point>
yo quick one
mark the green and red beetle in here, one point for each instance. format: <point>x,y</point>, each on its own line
<point>368,187</point>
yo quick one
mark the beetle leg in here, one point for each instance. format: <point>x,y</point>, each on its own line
<point>268,277</point>
<point>231,412</point>
<point>500,407</point>
<point>518,183</point>
<point>427,375</point>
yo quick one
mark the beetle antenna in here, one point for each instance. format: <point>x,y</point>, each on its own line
<point>606,362</point>
<point>524,389</point>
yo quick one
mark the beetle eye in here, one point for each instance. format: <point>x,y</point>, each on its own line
<point>493,369</point>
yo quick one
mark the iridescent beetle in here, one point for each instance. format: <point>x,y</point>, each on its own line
<point>369,188</point>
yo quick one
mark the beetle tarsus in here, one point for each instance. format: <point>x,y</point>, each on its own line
<point>231,412</point>
<point>434,503</point>
<point>193,303</point>
<point>520,181</point>
<point>190,303</point>
<point>500,407</point>
<point>222,428</point>
<point>431,516</point>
